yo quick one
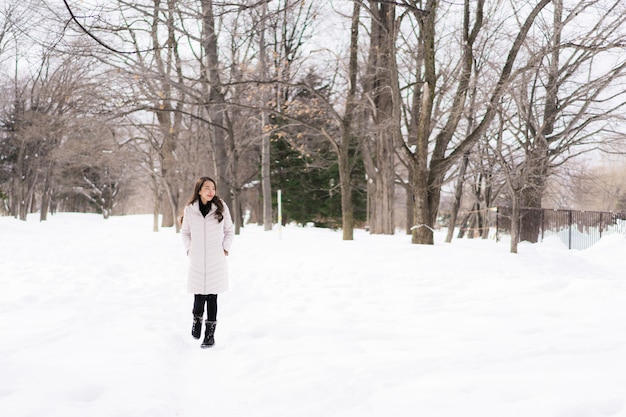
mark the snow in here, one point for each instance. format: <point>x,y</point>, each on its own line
<point>95,321</point>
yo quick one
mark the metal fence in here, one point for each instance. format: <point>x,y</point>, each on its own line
<point>577,229</point>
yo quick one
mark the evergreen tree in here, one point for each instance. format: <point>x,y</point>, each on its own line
<point>310,185</point>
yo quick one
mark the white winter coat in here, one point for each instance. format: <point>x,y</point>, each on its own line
<point>205,240</point>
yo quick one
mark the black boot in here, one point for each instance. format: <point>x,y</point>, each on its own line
<point>196,329</point>
<point>209,341</point>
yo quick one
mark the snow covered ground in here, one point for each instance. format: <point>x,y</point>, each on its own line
<point>95,321</point>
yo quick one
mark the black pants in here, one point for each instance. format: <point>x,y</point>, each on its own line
<point>211,306</point>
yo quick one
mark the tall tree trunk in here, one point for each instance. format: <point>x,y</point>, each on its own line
<point>458,193</point>
<point>169,120</point>
<point>235,189</point>
<point>156,202</point>
<point>28,175</point>
<point>380,88</point>
<point>532,193</point>
<point>266,184</point>
<point>216,107</point>
<point>343,151</point>
<point>46,194</point>
<point>409,207</point>
<point>170,209</point>
<point>515,221</point>
<point>537,158</point>
<point>168,169</point>
<point>423,228</point>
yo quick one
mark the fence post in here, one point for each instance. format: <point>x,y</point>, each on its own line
<point>601,225</point>
<point>497,223</point>
<point>569,220</point>
<point>279,199</point>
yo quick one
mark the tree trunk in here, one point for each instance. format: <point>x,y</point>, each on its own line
<point>168,168</point>
<point>266,184</point>
<point>170,209</point>
<point>409,208</point>
<point>235,189</point>
<point>168,118</point>
<point>530,197</point>
<point>343,150</point>
<point>46,194</point>
<point>155,211</point>
<point>216,107</point>
<point>379,86</point>
<point>515,222</point>
<point>537,158</point>
<point>458,193</point>
<point>422,229</point>
<point>347,213</point>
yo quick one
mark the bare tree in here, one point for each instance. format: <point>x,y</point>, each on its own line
<point>570,94</point>
<point>48,106</point>
<point>348,129</point>
<point>382,94</point>
<point>265,122</point>
<point>435,153</point>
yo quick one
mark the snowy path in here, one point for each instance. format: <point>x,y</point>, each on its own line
<point>95,321</point>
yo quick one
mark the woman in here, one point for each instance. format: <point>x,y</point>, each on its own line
<point>207,232</point>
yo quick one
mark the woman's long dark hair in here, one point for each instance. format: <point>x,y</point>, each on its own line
<point>219,212</point>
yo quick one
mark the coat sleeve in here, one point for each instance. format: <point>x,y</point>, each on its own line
<point>185,231</point>
<point>229,229</point>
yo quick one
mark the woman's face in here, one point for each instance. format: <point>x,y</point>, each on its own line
<point>207,191</point>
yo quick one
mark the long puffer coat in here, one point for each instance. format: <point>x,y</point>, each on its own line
<point>206,240</point>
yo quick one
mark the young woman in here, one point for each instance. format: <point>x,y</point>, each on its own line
<point>207,232</point>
